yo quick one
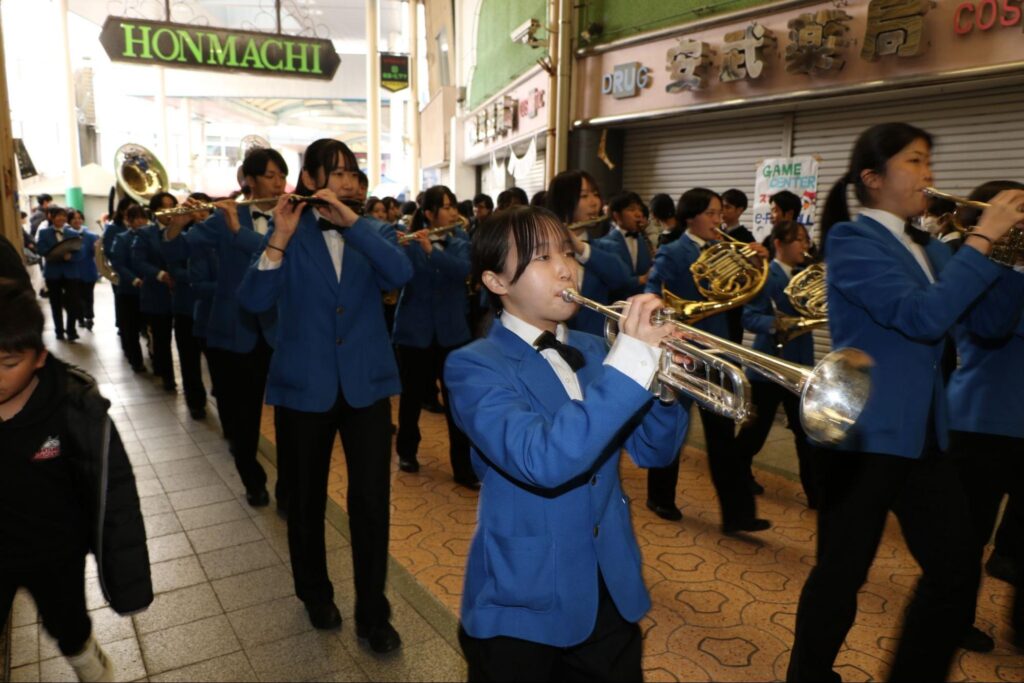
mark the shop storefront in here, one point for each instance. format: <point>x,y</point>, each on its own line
<point>505,136</point>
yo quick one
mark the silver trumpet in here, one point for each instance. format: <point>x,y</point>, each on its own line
<point>832,393</point>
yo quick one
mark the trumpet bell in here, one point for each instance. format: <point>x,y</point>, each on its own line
<point>727,275</point>
<point>834,394</point>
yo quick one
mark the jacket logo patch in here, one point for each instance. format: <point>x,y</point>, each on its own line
<point>49,450</point>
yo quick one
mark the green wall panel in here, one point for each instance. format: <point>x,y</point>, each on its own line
<point>624,18</point>
<point>499,61</point>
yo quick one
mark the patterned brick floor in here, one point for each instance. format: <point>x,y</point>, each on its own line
<point>724,607</point>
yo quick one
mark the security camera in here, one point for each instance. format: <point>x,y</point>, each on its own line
<point>524,33</point>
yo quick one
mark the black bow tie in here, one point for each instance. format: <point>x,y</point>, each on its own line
<point>631,235</point>
<point>917,236</point>
<point>326,225</point>
<point>260,214</point>
<point>572,356</point>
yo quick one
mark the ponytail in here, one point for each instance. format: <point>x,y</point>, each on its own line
<point>836,209</point>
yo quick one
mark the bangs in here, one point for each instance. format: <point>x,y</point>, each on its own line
<point>536,229</point>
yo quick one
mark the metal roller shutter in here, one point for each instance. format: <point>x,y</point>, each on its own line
<point>977,138</point>
<point>534,180</point>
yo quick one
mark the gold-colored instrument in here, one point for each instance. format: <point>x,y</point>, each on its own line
<point>183,209</point>
<point>808,293</point>
<point>104,266</point>
<point>1007,250</point>
<point>139,173</point>
<point>583,225</point>
<point>727,274</point>
<point>832,393</point>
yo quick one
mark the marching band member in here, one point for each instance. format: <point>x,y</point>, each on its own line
<point>574,197</point>
<point>332,373</point>
<point>155,296</point>
<point>896,299</point>
<point>987,432</point>
<point>699,213</point>
<point>553,580</point>
<point>62,287</point>
<point>790,241</point>
<point>241,342</point>
<point>431,322</point>
<point>628,240</point>
<point>114,227</point>
<point>129,282</point>
<point>86,271</point>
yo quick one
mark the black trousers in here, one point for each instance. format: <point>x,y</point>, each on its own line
<point>243,383</point>
<point>766,397</point>
<point>65,301</point>
<point>190,358</point>
<point>728,472</point>
<point>58,589</point>
<point>990,467</point>
<point>419,368</point>
<point>1010,535</point>
<point>86,290</point>
<point>858,491</point>
<point>612,652</point>
<point>366,437</point>
<point>131,327</point>
<point>117,309</point>
<point>161,326</point>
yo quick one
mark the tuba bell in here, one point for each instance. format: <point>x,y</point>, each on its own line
<point>140,175</point>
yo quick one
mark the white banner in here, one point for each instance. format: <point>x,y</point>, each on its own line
<point>799,175</point>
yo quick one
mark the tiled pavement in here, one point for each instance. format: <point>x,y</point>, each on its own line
<point>723,607</point>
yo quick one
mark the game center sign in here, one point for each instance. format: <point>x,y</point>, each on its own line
<point>187,46</point>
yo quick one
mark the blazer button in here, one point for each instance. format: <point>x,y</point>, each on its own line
<point>339,310</point>
<point>597,530</point>
<point>338,341</point>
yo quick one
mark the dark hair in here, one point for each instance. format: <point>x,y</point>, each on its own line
<point>21,319</point>
<point>391,202</point>
<point>326,155</point>
<point>623,201</point>
<point>23,215</point>
<point>55,211</point>
<point>156,202</point>
<point>433,199</point>
<point>255,162</point>
<point>736,198</point>
<point>484,199</point>
<point>364,180</point>
<point>787,202</point>
<point>539,198</point>
<point>408,208</point>
<point>564,193</point>
<point>787,231</point>
<point>371,202</point>
<point>44,198</point>
<point>72,213</point>
<point>693,203</point>
<point>466,208</point>
<point>982,193</point>
<point>940,207</point>
<point>872,151</point>
<point>511,197</point>
<point>524,226</point>
<point>134,211</point>
<point>122,206</point>
<point>201,197</point>
<point>662,207</point>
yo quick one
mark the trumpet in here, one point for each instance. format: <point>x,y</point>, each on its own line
<point>832,393</point>
<point>183,209</point>
<point>432,232</point>
<point>1007,250</point>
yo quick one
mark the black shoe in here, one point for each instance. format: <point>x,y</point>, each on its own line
<point>60,336</point>
<point>382,638</point>
<point>755,524</point>
<point>755,487</point>
<point>139,369</point>
<point>72,335</point>
<point>44,293</point>
<point>433,406</point>
<point>258,499</point>
<point>1001,567</point>
<point>324,615</point>
<point>473,484</point>
<point>976,640</point>
<point>669,512</point>
<point>170,387</point>
<point>198,413</point>
<point>410,465</point>
<point>88,324</point>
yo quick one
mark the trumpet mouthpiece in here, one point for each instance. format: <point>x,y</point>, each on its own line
<point>569,295</point>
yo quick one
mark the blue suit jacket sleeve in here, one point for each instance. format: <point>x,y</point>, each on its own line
<point>758,314</point>
<point>997,313</point>
<point>201,275</point>
<point>453,261</point>
<point>664,270</point>
<point>144,267</point>
<point>379,244</point>
<point>526,445</point>
<point>658,438</point>
<point>866,273</point>
<point>608,267</point>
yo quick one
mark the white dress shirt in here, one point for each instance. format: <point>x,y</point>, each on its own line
<point>628,355</point>
<point>335,246</point>
<point>896,226</point>
<point>260,224</point>
<point>696,240</point>
<point>631,244</point>
<point>788,270</point>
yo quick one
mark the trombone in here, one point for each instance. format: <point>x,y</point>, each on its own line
<point>1007,250</point>
<point>832,393</point>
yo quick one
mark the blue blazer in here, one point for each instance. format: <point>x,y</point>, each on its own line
<point>183,300</point>
<point>229,326</point>
<point>58,270</point>
<point>759,317</point>
<point>331,334</point>
<point>672,270</point>
<point>552,511</point>
<point>148,260</point>
<point>880,301</point>
<point>110,232</point>
<point>603,273</point>
<point>615,243</point>
<point>120,256</point>
<point>202,275</point>
<point>86,269</point>
<point>433,304</point>
<point>985,391</point>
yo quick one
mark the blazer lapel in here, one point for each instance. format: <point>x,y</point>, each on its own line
<point>310,238</point>
<point>898,248</point>
<point>537,374</point>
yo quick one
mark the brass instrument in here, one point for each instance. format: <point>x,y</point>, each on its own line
<point>583,225</point>
<point>808,293</point>
<point>139,173</point>
<point>183,209</point>
<point>1007,250</point>
<point>104,266</point>
<point>832,393</point>
<point>727,274</point>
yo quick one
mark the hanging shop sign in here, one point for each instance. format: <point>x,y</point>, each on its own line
<point>509,117</point>
<point>503,116</point>
<point>626,80</point>
<point>394,71</point>
<point>798,175</point>
<point>985,15</point>
<point>26,169</point>
<point>186,46</point>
